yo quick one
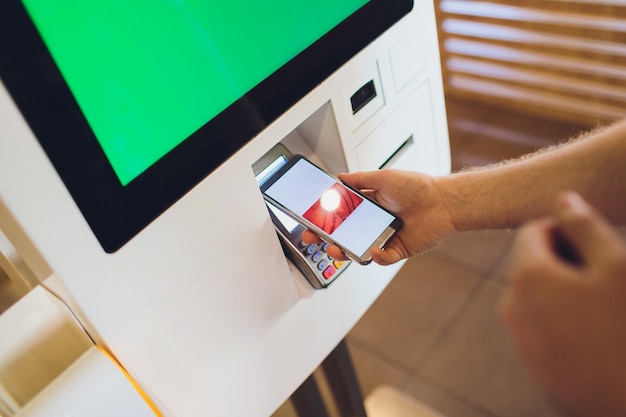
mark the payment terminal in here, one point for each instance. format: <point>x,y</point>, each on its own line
<point>312,260</point>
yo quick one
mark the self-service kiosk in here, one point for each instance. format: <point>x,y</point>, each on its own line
<point>130,138</point>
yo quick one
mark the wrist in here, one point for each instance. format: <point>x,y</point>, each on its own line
<point>488,198</point>
<point>454,201</point>
<point>446,209</point>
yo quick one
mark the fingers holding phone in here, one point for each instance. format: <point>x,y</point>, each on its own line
<point>412,196</point>
<point>338,214</point>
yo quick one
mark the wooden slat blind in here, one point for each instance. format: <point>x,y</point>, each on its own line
<point>563,58</point>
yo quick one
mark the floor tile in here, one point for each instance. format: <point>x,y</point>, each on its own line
<point>408,317</point>
<point>500,273</point>
<point>476,361</point>
<point>285,410</point>
<point>388,401</point>
<point>445,401</point>
<point>480,251</point>
<point>373,370</point>
<point>288,410</point>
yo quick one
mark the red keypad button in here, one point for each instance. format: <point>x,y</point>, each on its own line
<point>329,272</point>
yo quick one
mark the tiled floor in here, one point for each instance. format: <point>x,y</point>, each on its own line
<point>434,333</point>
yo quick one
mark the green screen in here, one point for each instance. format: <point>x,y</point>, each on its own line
<point>147,74</point>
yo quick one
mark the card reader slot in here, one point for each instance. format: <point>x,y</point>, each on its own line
<point>362,96</point>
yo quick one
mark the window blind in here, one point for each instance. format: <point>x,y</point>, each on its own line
<point>562,58</point>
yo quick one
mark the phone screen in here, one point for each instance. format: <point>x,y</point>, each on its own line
<point>351,220</point>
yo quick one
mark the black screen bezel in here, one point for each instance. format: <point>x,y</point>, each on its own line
<point>117,213</point>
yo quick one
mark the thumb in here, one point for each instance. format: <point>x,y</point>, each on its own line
<point>387,256</point>
<point>585,230</point>
<point>363,179</point>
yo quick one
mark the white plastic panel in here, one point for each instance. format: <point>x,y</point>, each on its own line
<point>40,338</point>
<point>412,122</point>
<point>408,58</point>
<point>12,264</point>
<point>92,386</point>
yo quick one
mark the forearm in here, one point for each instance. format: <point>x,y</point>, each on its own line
<point>508,194</point>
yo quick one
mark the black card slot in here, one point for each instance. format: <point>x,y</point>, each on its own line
<point>363,95</point>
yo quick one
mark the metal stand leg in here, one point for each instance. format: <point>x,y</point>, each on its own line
<point>343,382</point>
<point>307,400</point>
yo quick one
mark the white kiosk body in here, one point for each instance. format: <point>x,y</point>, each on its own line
<point>201,307</point>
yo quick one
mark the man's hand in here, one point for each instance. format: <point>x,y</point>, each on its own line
<point>412,196</point>
<point>566,308</point>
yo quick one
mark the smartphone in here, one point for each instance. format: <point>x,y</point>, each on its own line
<point>316,266</point>
<point>339,214</point>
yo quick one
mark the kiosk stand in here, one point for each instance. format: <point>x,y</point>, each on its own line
<point>343,383</point>
<point>196,299</point>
